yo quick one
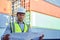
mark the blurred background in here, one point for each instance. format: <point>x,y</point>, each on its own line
<point>43,15</point>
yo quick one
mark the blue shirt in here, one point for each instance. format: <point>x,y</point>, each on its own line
<point>22,25</point>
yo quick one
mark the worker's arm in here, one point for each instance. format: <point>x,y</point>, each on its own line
<point>29,29</point>
<point>6,33</point>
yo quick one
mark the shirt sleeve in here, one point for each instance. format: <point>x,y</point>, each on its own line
<point>7,31</point>
<point>29,29</point>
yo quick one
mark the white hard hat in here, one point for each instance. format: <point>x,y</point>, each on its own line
<point>21,9</point>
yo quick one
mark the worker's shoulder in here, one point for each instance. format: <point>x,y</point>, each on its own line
<point>27,25</point>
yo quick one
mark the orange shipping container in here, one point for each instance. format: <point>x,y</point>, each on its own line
<point>5,7</point>
<point>44,7</point>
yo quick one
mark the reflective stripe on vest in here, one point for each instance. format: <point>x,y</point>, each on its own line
<point>17,28</point>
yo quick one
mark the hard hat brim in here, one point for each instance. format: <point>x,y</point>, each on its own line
<point>20,13</point>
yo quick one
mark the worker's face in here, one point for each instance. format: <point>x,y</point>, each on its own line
<point>21,17</point>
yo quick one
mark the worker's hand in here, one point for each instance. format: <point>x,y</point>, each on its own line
<point>41,37</point>
<point>6,37</point>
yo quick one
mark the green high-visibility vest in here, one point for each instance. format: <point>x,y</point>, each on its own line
<point>17,28</point>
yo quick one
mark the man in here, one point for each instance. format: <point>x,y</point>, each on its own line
<point>19,25</point>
